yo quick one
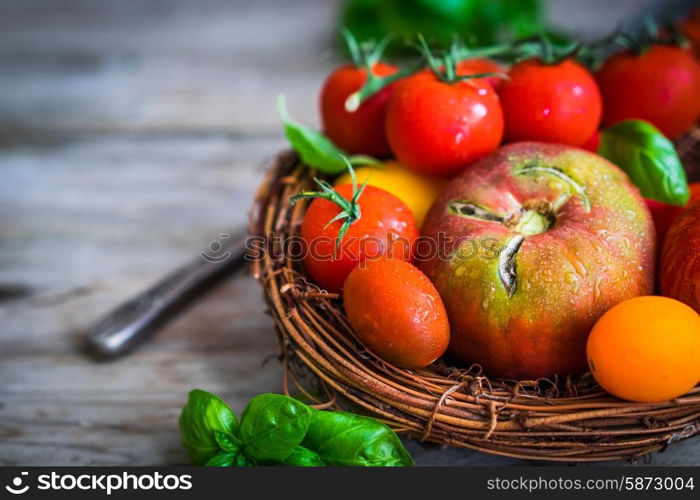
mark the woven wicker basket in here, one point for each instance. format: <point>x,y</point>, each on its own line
<point>558,420</point>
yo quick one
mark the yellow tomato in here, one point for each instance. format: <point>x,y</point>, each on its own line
<point>415,190</point>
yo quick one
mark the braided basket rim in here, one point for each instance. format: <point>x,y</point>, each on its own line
<point>551,420</point>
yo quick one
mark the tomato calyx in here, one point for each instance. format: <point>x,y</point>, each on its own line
<point>444,65</point>
<point>651,36</point>
<point>349,209</point>
<point>376,83</point>
<point>458,52</point>
<point>533,217</point>
<point>542,48</point>
<point>364,56</point>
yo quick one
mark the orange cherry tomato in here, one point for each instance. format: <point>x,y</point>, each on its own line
<point>646,349</point>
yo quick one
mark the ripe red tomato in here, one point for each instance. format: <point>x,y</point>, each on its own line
<point>385,227</point>
<point>661,85</point>
<point>550,102</point>
<point>593,142</point>
<point>664,215</point>
<point>440,128</point>
<point>360,131</point>
<point>397,312</point>
<point>694,192</point>
<point>479,65</point>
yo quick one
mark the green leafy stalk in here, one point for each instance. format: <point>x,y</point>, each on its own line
<point>648,158</point>
<point>314,148</point>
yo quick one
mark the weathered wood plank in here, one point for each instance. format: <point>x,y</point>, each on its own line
<point>111,66</point>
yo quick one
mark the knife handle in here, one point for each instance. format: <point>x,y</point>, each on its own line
<point>131,322</point>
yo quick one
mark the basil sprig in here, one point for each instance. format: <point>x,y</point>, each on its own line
<point>279,430</point>
<point>314,148</point>
<point>648,158</point>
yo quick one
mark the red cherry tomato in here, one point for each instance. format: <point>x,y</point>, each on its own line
<point>660,85</point>
<point>550,103</point>
<point>397,312</point>
<point>593,142</point>
<point>360,131</point>
<point>440,128</point>
<point>694,192</point>
<point>385,227</point>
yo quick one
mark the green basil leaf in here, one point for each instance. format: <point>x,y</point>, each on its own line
<point>202,416</point>
<point>241,460</point>
<point>485,21</point>
<point>315,149</point>
<point>648,158</point>
<point>227,442</point>
<point>221,460</point>
<point>272,425</point>
<point>345,439</point>
<point>303,457</point>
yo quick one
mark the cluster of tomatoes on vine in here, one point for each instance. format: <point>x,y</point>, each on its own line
<point>456,106</point>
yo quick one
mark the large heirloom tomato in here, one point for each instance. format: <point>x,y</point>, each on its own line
<point>679,270</point>
<point>544,239</point>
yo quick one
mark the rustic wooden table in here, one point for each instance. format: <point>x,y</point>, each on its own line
<point>132,134</point>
